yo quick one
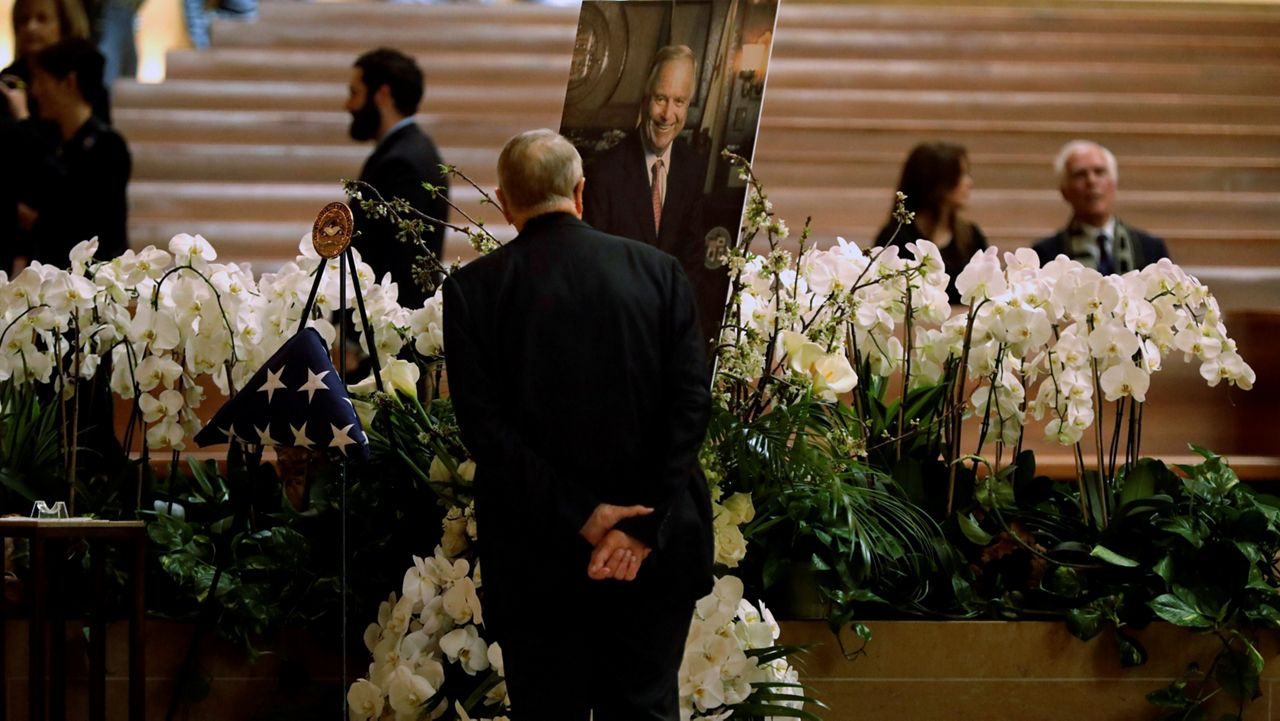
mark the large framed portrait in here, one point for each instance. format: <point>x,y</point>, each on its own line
<point>657,91</point>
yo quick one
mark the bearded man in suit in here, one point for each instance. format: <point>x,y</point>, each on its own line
<point>384,92</point>
<point>577,375</point>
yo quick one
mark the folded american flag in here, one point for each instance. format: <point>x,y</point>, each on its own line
<point>295,399</point>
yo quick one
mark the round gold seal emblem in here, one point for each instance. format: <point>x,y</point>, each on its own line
<point>331,233</point>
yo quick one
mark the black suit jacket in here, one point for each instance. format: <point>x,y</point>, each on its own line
<point>577,375</point>
<point>398,167</point>
<point>1147,248</point>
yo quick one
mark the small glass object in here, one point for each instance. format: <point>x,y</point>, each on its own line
<point>42,510</point>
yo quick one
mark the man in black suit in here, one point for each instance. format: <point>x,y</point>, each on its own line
<point>577,375</point>
<point>649,187</point>
<point>1087,178</point>
<point>384,93</point>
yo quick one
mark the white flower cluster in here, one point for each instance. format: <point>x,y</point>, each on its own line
<point>728,516</point>
<point>828,306</point>
<point>1076,332</point>
<point>169,319</point>
<point>435,621</point>
<point>1064,326</point>
<point>716,671</point>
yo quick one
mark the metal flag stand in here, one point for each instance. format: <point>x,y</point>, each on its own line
<point>331,237</point>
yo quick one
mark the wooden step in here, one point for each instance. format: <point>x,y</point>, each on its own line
<point>203,162</point>
<point>939,43</point>
<point>175,161</point>
<point>1009,170</point>
<point>318,96</point>
<point>834,209</point>
<point>1072,75</point>
<point>787,135</point>
<point>410,37</point>
<point>468,69</point>
<point>269,244</point>
<point>1117,20</point>
<point>453,123</point>
<point>152,200</point>
<point>831,208</point>
<point>1126,107</point>
<point>254,127</point>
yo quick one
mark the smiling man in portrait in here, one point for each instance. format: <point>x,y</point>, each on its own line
<point>649,186</point>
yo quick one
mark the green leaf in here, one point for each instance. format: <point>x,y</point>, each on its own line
<point>1139,481</point>
<point>1182,526</point>
<point>168,532</point>
<point>1085,623</point>
<point>1264,615</point>
<point>1065,582</point>
<point>1115,559</point>
<point>1132,652</point>
<point>1164,569</point>
<point>1179,612</point>
<point>1237,673</point>
<point>972,530</point>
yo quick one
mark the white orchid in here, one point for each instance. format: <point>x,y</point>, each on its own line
<point>464,646</point>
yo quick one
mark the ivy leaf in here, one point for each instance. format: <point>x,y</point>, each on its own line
<point>1179,612</point>
<point>1112,557</point>
<point>1132,652</point>
<point>1182,526</point>
<point>1085,623</point>
<point>1065,582</point>
<point>972,530</point>
<point>1238,674</point>
<point>1164,569</point>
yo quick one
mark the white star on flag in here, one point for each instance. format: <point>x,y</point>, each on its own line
<point>300,436</point>
<point>340,438</point>
<point>264,435</point>
<point>273,383</point>
<point>315,382</point>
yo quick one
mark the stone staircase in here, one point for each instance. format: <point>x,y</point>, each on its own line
<point>245,142</point>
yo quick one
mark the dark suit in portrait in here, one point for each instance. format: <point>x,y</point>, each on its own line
<point>578,378</point>
<point>618,200</point>
<point>398,167</point>
<point>1130,248</point>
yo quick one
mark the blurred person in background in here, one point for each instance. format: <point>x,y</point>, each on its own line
<point>81,189</point>
<point>1094,236</point>
<point>937,184</point>
<point>26,141</point>
<point>384,93</point>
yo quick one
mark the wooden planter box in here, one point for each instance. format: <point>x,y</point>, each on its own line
<point>1003,671</point>
<point>911,671</point>
<point>238,689</point>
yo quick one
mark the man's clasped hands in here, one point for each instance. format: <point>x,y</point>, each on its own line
<point>616,555</point>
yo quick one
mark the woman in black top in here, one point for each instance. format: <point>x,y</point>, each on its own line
<point>26,141</point>
<point>82,186</point>
<point>936,181</point>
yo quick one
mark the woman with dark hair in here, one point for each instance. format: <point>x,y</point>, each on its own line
<point>82,186</point>
<point>25,140</point>
<point>936,181</point>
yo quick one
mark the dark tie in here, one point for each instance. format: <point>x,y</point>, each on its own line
<point>1104,257</point>
<point>657,193</point>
